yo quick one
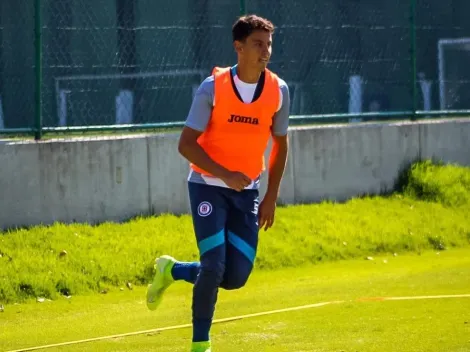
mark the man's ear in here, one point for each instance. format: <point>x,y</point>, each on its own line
<point>238,46</point>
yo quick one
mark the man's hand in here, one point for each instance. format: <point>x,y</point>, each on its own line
<point>266,212</point>
<point>236,180</point>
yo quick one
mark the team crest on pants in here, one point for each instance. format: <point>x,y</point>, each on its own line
<point>204,209</point>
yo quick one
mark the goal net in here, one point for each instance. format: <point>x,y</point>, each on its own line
<point>124,98</point>
<point>454,73</point>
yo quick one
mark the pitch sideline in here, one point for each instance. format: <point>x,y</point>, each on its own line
<point>224,320</point>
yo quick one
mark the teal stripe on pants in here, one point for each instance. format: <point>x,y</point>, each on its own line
<point>211,242</point>
<point>242,246</point>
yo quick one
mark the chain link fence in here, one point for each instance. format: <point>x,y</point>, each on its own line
<point>443,49</point>
<point>137,63</point>
<point>17,64</point>
<point>343,56</point>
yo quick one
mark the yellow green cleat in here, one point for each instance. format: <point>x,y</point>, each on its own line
<point>204,346</point>
<point>162,280</point>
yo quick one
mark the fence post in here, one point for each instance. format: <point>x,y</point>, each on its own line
<point>38,70</point>
<point>413,58</point>
<point>242,7</point>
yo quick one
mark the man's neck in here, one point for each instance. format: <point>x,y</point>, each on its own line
<point>246,75</point>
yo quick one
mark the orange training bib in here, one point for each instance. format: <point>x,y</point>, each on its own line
<point>238,133</point>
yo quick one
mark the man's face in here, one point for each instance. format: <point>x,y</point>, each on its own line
<point>256,50</point>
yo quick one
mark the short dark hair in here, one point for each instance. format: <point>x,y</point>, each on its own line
<point>245,25</point>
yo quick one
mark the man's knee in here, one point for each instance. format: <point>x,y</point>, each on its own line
<point>235,280</point>
<point>212,270</point>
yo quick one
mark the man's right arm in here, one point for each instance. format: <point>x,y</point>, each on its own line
<point>196,123</point>
<point>193,152</point>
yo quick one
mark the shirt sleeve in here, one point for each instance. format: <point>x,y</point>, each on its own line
<point>281,118</point>
<point>201,107</point>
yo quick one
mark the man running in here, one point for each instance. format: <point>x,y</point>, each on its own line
<point>234,113</point>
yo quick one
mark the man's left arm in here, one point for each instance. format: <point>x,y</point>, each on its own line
<point>277,160</point>
<point>277,165</point>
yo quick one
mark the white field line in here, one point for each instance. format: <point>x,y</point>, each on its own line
<point>218,321</point>
<point>404,298</point>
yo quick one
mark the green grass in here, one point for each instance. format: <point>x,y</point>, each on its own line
<point>414,326</point>
<point>436,183</point>
<point>431,213</point>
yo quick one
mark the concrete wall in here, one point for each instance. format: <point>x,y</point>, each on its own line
<point>113,179</point>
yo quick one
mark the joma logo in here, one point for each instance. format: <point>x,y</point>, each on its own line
<point>243,119</point>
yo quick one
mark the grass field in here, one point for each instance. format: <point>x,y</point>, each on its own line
<point>429,211</point>
<point>90,280</point>
<point>432,325</point>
